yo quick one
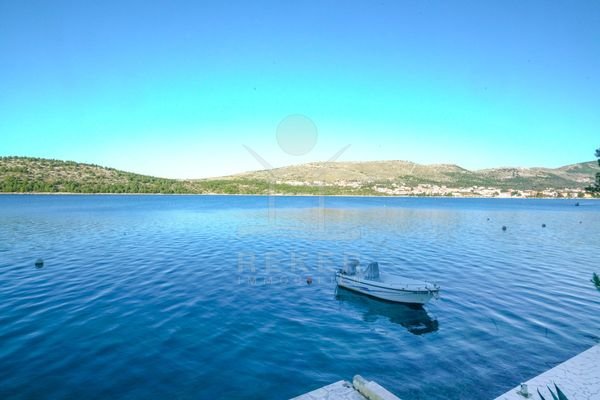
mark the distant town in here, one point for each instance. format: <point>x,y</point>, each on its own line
<point>394,189</point>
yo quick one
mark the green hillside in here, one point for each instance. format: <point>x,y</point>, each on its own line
<point>23,174</point>
<point>38,175</point>
<point>30,175</point>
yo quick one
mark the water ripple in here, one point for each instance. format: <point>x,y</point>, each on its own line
<point>169,297</point>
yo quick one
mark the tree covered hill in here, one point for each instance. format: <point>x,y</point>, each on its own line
<point>37,175</point>
<point>24,174</point>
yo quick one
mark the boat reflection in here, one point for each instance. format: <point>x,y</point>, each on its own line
<point>412,317</point>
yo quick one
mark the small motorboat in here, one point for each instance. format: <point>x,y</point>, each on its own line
<point>370,282</point>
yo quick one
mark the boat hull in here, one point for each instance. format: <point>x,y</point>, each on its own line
<point>385,292</point>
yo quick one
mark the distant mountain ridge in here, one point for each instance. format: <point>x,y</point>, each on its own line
<point>408,173</point>
<point>26,175</point>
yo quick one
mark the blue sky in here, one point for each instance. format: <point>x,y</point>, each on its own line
<point>177,88</point>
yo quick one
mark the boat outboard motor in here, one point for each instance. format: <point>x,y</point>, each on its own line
<point>350,267</point>
<point>372,271</point>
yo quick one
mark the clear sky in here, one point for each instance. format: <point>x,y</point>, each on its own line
<point>177,88</point>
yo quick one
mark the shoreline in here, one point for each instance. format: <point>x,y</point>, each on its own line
<point>290,195</point>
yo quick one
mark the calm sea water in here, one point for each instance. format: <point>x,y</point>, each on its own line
<point>194,297</point>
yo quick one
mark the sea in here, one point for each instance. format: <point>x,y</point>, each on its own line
<point>234,297</point>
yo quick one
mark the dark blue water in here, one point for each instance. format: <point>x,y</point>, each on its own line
<point>194,297</point>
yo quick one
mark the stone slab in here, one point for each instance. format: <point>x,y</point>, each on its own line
<point>340,390</point>
<point>578,378</point>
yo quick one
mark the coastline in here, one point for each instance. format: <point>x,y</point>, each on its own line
<point>290,195</point>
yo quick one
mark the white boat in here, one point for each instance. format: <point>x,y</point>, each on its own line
<point>370,282</point>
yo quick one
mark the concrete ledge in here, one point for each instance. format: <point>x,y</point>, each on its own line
<point>359,389</point>
<point>340,390</point>
<point>578,378</point>
<point>372,390</point>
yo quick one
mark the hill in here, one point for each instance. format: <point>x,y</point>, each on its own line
<point>25,174</point>
<point>404,173</point>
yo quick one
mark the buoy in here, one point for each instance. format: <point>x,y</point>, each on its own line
<point>543,225</point>
<point>308,280</point>
<point>504,227</point>
<point>39,263</point>
<point>577,204</point>
<point>488,219</point>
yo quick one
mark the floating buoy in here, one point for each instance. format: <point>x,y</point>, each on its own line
<point>488,219</point>
<point>543,225</point>
<point>577,204</point>
<point>504,227</point>
<point>39,263</point>
<point>308,280</point>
